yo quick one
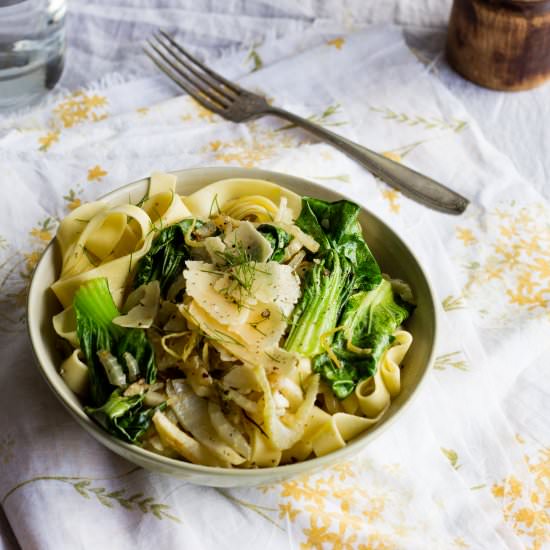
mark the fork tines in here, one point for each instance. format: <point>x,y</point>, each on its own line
<point>208,87</point>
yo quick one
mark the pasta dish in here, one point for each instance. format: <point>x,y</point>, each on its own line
<point>240,326</point>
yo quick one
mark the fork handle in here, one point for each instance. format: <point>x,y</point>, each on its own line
<point>411,183</point>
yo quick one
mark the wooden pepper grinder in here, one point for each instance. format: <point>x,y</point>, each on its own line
<point>500,44</point>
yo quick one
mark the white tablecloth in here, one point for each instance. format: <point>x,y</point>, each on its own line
<point>468,466</point>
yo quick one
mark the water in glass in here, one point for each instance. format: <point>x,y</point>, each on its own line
<point>32,43</point>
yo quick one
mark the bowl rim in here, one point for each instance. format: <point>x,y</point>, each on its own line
<point>285,470</point>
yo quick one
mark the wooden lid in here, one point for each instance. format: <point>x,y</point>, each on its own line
<point>500,44</point>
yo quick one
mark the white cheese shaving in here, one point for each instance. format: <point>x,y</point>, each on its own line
<point>214,246</point>
<point>276,283</point>
<point>235,343</point>
<point>201,279</point>
<point>253,242</point>
<point>142,306</point>
<point>263,328</point>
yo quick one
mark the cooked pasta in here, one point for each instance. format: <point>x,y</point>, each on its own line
<point>242,326</point>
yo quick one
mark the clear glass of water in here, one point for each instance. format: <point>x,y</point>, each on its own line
<point>32,45</point>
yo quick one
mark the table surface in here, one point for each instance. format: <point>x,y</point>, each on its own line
<point>489,488</point>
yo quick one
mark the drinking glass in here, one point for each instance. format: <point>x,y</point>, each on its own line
<point>32,44</point>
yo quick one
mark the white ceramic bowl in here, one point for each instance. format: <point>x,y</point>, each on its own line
<point>390,251</point>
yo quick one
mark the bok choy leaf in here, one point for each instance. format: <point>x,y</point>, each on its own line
<point>367,324</point>
<point>123,417</point>
<point>95,310</point>
<point>342,265</point>
<point>334,225</point>
<point>326,286</point>
<point>166,258</point>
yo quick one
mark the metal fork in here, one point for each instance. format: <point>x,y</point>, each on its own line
<point>227,99</point>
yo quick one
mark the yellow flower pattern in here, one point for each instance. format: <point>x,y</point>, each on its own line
<point>96,173</point>
<point>74,109</point>
<point>254,57</point>
<point>452,359</point>
<point>261,144</point>
<point>466,236</point>
<point>72,199</point>
<point>202,113</point>
<point>16,271</point>
<point>338,43</point>
<point>526,508</point>
<point>516,258</point>
<point>81,107</point>
<point>335,509</point>
<point>43,231</point>
<point>31,259</point>
<point>451,303</point>
<point>392,196</point>
<point>48,140</point>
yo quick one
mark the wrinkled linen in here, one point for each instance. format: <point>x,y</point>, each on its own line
<point>466,467</point>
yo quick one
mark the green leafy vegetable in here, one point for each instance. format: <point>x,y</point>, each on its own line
<point>95,310</point>
<point>344,264</point>
<point>326,287</point>
<point>165,259</point>
<point>347,314</point>
<point>334,225</point>
<point>123,417</point>
<point>368,322</point>
<point>278,239</point>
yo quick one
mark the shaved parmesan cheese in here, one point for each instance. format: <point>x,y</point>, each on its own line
<point>276,283</point>
<point>252,241</point>
<point>214,246</point>
<point>201,279</point>
<point>270,283</point>
<point>280,402</point>
<point>234,343</point>
<point>263,328</point>
<point>142,306</point>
